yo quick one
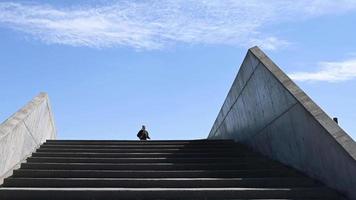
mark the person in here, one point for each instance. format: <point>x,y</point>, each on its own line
<point>143,134</point>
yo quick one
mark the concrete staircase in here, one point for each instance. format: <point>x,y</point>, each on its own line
<point>194,169</point>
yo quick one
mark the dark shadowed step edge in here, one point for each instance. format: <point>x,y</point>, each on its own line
<point>226,160</point>
<point>203,141</point>
<point>151,166</point>
<point>162,182</point>
<point>144,155</point>
<point>139,150</point>
<point>205,146</point>
<point>162,193</point>
<point>143,143</point>
<point>250,173</point>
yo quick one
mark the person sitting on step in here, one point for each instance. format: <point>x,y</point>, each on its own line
<point>143,134</point>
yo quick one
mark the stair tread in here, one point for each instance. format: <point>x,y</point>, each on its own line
<point>173,179</point>
<point>162,189</point>
<point>143,164</point>
<point>102,171</point>
<point>130,140</point>
<point>142,155</point>
<point>149,145</point>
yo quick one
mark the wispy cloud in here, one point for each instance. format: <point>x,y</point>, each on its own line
<point>271,43</point>
<point>160,23</point>
<point>330,72</point>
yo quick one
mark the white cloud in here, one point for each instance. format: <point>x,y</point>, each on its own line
<point>321,7</point>
<point>270,43</point>
<point>160,23</point>
<point>330,72</point>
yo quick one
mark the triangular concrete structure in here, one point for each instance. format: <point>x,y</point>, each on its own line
<point>267,111</point>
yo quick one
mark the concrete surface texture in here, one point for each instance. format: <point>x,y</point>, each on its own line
<point>268,112</point>
<point>23,132</point>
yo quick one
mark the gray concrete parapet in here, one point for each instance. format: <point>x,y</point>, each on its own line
<point>23,132</point>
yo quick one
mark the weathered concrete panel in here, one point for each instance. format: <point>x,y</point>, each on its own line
<point>23,132</point>
<point>268,112</point>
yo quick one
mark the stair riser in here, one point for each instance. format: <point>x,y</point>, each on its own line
<point>145,155</point>
<point>140,142</point>
<point>139,150</point>
<point>147,160</point>
<point>153,174</point>
<point>228,147</point>
<point>66,166</point>
<point>259,183</point>
<point>164,194</point>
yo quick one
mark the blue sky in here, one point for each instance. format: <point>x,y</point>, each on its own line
<point>110,66</point>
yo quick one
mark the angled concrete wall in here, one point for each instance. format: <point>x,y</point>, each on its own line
<point>268,112</point>
<point>23,132</point>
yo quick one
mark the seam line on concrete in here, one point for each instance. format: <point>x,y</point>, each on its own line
<point>33,138</point>
<point>238,96</point>
<point>275,119</point>
<point>5,175</point>
<point>32,102</point>
<point>348,150</point>
<point>221,108</point>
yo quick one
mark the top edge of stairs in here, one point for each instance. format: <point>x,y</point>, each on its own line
<point>198,140</point>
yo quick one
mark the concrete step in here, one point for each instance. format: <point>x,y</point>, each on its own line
<point>142,150</point>
<point>163,193</point>
<point>145,155</point>
<point>195,146</point>
<point>226,160</point>
<point>279,182</point>
<point>249,173</point>
<point>147,142</point>
<point>150,166</point>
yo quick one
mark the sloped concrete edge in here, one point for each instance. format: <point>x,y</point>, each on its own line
<point>25,131</point>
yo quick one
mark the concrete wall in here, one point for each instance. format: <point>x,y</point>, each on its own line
<point>268,112</point>
<point>23,132</point>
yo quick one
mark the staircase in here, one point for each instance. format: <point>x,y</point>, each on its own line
<point>194,169</point>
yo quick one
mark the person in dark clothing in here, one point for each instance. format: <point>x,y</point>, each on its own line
<point>143,134</point>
